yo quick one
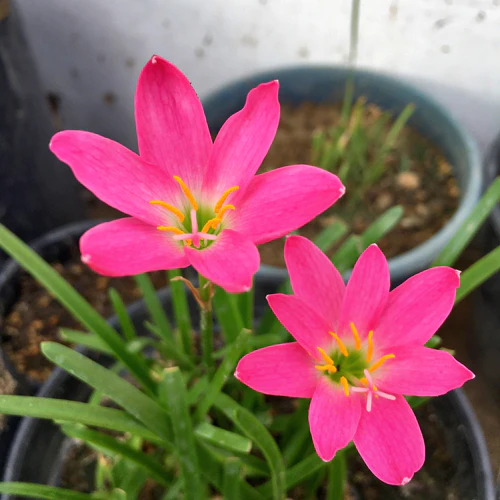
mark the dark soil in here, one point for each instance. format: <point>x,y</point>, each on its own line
<point>37,316</point>
<point>415,176</point>
<point>7,386</point>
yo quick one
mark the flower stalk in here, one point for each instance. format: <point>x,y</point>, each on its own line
<point>206,322</point>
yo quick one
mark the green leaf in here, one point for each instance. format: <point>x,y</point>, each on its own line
<point>73,411</point>
<point>462,237</point>
<point>111,445</point>
<point>126,325</point>
<point>173,393</point>
<point>231,481</point>
<point>181,310</point>
<point>42,492</point>
<point>228,314</point>
<point>250,426</point>
<point>154,306</point>
<point>174,491</point>
<point>89,340</point>
<point>169,348</point>
<point>247,304</point>
<point>337,470</point>
<point>330,235</point>
<point>478,273</point>
<point>138,404</point>
<point>74,303</point>
<point>223,439</point>
<point>225,369</point>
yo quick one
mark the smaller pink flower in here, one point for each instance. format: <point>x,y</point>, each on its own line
<point>359,349</point>
<point>192,201</point>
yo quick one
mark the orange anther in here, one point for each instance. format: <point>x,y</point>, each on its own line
<point>224,209</point>
<point>325,356</point>
<point>186,191</point>
<point>211,224</point>
<point>357,340</point>
<point>171,229</point>
<point>369,353</point>
<point>345,385</point>
<point>380,362</point>
<point>223,198</point>
<point>326,368</point>
<point>169,207</point>
<point>342,347</point>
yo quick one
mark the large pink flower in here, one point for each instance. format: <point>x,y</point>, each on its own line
<point>192,201</point>
<point>359,349</point>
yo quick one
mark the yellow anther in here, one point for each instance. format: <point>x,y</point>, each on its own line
<point>223,198</point>
<point>211,224</point>
<point>169,207</point>
<point>356,336</point>
<point>364,381</point>
<point>171,229</point>
<point>186,191</point>
<point>342,347</point>
<point>380,362</point>
<point>325,356</point>
<point>224,209</point>
<point>369,353</point>
<point>326,368</point>
<point>345,385</point>
<point>188,242</point>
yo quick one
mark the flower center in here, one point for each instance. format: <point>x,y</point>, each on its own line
<point>352,366</point>
<point>188,224</point>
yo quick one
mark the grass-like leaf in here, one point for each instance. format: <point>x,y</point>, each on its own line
<point>223,439</point>
<point>228,314</point>
<point>126,325</point>
<point>42,492</point>
<point>89,340</point>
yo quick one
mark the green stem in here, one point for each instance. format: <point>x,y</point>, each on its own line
<point>206,324</point>
<point>248,299</point>
<point>336,477</point>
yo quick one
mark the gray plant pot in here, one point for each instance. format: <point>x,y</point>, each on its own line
<point>326,84</point>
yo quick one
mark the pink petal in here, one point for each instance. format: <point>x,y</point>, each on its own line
<point>314,278</point>
<point>244,140</point>
<point>308,328</point>
<point>366,293</point>
<point>230,262</point>
<point>420,371</point>
<point>417,308</point>
<point>333,418</point>
<point>116,175</point>
<point>389,440</point>
<point>125,247</point>
<point>171,127</point>
<point>280,201</point>
<point>279,370</point>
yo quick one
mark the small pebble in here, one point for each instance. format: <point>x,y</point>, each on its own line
<point>410,222</point>
<point>408,180</point>
<point>384,201</point>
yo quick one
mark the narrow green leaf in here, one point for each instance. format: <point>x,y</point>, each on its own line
<point>197,389</point>
<point>330,235</point>
<point>138,404</point>
<point>73,411</point>
<point>126,325</point>
<point>337,471</point>
<point>42,492</point>
<point>247,304</point>
<point>479,272</point>
<point>181,310</point>
<point>223,439</point>
<point>173,393</point>
<point>228,314</point>
<point>89,340</point>
<point>225,369</point>
<point>346,255</point>
<point>462,237</point>
<point>118,494</point>
<point>174,491</point>
<point>231,481</point>
<point>73,302</point>
<point>154,306</point>
<point>169,348</point>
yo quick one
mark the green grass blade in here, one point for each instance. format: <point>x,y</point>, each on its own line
<point>223,439</point>
<point>73,302</point>
<point>89,340</point>
<point>111,445</point>
<point>228,314</point>
<point>462,237</point>
<point>181,310</point>
<point>231,481</point>
<point>42,492</point>
<point>126,325</point>
<point>131,399</point>
<point>173,393</point>
<point>220,377</point>
<point>330,235</point>
<point>479,272</point>
<point>337,471</point>
<point>154,306</point>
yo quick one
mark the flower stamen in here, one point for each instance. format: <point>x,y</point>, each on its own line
<point>326,368</point>
<point>357,340</point>
<point>369,353</point>
<point>187,192</point>
<point>345,385</point>
<point>380,362</point>
<point>224,209</point>
<point>169,207</point>
<point>371,391</point>
<point>341,345</point>
<point>325,356</point>
<point>211,224</point>
<point>223,198</point>
<point>171,229</point>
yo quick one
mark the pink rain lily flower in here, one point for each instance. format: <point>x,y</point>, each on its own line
<point>191,201</point>
<point>359,349</point>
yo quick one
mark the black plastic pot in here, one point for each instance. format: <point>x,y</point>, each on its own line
<point>40,448</point>
<point>326,84</point>
<point>37,192</point>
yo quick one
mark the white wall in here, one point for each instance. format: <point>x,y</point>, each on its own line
<point>90,51</point>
